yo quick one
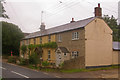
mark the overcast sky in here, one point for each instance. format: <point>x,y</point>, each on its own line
<point>27,13</point>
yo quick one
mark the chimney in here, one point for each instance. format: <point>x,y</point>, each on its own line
<point>72,20</point>
<point>42,27</point>
<point>98,11</point>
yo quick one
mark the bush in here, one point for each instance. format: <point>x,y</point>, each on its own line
<point>12,59</point>
<point>45,63</point>
<point>34,59</point>
<point>24,61</point>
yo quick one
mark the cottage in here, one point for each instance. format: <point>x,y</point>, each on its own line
<point>80,44</point>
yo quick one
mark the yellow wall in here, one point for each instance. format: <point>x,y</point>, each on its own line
<point>98,46</point>
<point>45,51</point>
<point>116,54</point>
<point>31,41</point>
<point>45,54</point>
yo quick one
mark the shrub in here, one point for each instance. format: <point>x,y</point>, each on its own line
<point>12,59</point>
<point>24,61</point>
<point>45,63</point>
<point>34,59</point>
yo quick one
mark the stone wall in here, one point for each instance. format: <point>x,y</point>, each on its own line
<point>76,63</point>
<point>73,45</point>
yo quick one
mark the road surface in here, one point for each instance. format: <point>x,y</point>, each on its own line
<point>14,71</point>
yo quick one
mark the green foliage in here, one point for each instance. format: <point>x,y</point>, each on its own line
<point>24,61</point>
<point>112,23</point>
<point>2,10</point>
<point>11,36</point>
<point>12,59</point>
<point>50,45</point>
<point>31,47</point>
<point>34,59</point>
<point>46,45</point>
<point>61,65</point>
<point>45,63</point>
<point>87,70</point>
<point>23,49</point>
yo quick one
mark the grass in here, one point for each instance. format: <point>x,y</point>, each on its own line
<point>72,70</point>
<point>87,70</point>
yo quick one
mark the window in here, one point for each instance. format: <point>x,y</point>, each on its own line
<point>65,54</point>
<point>75,54</point>
<point>48,54</point>
<point>75,35</point>
<point>49,38</point>
<point>34,41</point>
<point>59,38</point>
<point>23,42</point>
<point>27,42</point>
<point>40,40</point>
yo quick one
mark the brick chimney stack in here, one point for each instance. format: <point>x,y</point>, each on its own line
<point>72,20</point>
<point>98,11</point>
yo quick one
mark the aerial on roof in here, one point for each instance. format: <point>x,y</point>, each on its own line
<point>62,28</point>
<point>116,45</point>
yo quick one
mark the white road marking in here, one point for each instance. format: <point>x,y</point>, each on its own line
<point>3,68</point>
<point>19,74</point>
<point>45,73</point>
<point>57,76</point>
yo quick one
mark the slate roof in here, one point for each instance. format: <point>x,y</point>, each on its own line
<point>61,28</point>
<point>64,50</point>
<point>116,46</point>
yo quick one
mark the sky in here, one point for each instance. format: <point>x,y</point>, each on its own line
<point>27,13</point>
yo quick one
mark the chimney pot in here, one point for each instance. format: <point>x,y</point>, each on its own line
<point>72,20</point>
<point>98,11</point>
<point>99,5</point>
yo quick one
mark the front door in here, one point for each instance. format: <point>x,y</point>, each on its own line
<point>58,58</point>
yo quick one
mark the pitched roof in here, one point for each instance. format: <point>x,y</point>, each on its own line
<point>116,45</point>
<point>64,50</point>
<point>61,28</point>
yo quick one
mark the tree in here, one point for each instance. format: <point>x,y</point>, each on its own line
<point>11,36</point>
<point>2,10</point>
<point>112,23</point>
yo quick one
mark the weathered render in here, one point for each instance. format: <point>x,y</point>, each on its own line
<point>98,44</point>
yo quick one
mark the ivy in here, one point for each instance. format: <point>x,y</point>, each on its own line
<point>46,45</point>
<point>23,48</point>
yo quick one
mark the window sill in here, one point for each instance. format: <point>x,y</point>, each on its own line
<point>75,39</point>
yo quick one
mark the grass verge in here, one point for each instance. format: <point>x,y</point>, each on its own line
<point>87,70</point>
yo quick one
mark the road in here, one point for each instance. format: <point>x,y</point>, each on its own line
<point>14,71</point>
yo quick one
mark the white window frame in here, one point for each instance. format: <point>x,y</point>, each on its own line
<point>59,38</point>
<point>75,36</point>
<point>75,54</point>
